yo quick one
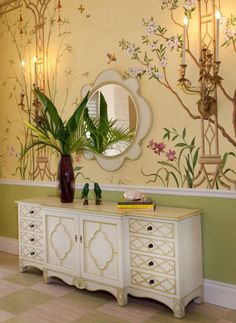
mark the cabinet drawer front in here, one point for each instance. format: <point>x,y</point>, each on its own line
<point>163,248</point>
<point>30,212</point>
<point>31,253</point>
<point>31,239</point>
<point>31,225</point>
<point>155,228</point>
<point>153,282</point>
<point>153,264</point>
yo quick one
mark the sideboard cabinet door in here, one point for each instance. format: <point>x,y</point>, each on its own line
<point>101,249</point>
<point>61,241</point>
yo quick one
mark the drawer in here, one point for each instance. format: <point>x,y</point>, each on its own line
<point>152,264</point>
<point>155,228</point>
<point>31,225</point>
<point>153,282</point>
<point>31,253</point>
<point>31,239</point>
<point>157,247</point>
<point>30,212</point>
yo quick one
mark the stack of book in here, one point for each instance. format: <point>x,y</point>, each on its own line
<point>138,204</point>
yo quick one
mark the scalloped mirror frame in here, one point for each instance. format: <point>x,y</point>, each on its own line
<point>144,118</point>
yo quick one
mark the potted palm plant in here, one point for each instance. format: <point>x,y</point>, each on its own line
<point>80,133</point>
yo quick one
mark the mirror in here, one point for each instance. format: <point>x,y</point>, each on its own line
<point>125,105</point>
<point>120,107</point>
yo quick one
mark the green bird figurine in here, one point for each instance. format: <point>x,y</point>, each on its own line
<point>84,194</point>
<point>98,194</point>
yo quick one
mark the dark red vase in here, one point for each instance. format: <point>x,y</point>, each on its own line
<point>66,179</point>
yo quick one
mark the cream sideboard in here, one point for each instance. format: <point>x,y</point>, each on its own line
<point>154,254</point>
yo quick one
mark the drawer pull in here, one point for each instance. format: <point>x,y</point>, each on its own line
<point>151,281</point>
<point>151,263</point>
<point>150,246</point>
<point>32,253</point>
<point>31,211</point>
<point>32,239</point>
<point>149,228</point>
<point>32,226</point>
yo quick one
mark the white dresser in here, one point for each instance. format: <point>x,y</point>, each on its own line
<point>154,254</point>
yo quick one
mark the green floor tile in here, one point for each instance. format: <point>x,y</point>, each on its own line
<point>96,317</point>
<point>23,300</point>
<point>90,300</point>
<point>25,279</point>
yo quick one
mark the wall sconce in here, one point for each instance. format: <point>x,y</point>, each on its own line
<point>208,65</point>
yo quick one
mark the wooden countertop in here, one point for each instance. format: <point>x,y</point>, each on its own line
<point>110,208</point>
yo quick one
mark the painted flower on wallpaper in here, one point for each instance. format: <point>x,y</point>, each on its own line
<point>178,161</point>
<point>229,31</point>
<point>190,4</point>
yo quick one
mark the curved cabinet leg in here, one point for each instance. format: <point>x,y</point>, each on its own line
<point>179,309</point>
<point>121,297</point>
<point>22,268</point>
<point>45,276</point>
<point>199,299</point>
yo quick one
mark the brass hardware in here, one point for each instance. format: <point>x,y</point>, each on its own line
<point>81,238</point>
<point>149,228</point>
<point>151,281</point>
<point>150,263</point>
<point>150,246</point>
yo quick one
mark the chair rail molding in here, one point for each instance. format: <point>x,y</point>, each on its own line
<point>145,189</point>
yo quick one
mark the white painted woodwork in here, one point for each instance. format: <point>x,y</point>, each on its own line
<point>154,254</point>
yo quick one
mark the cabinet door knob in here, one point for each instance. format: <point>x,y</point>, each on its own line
<point>32,239</point>
<point>151,281</point>
<point>31,211</point>
<point>150,246</point>
<point>32,253</point>
<point>151,263</point>
<point>32,226</point>
<point>149,228</point>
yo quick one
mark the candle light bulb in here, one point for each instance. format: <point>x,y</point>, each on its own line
<point>218,15</point>
<point>185,20</point>
<point>35,59</point>
<point>23,63</point>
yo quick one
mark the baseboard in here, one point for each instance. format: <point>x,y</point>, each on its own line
<point>9,245</point>
<point>215,292</point>
<point>220,294</point>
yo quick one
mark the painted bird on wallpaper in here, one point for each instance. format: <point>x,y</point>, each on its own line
<point>81,8</point>
<point>84,194</point>
<point>111,58</point>
<point>98,194</point>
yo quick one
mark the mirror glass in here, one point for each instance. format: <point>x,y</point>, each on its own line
<point>128,107</point>
<point>120,107</point>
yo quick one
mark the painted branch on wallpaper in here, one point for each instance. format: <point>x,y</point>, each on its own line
<point>153,64</point>
<point>37,164</point>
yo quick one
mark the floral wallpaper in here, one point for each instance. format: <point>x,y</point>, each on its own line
<point>59,47</point>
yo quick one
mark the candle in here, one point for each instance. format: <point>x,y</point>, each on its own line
<point>35,72</point>
<point>218,16</point>
<point>184,39</point>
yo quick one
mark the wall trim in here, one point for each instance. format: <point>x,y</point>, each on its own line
<point>220,294</point>
<point>215,292</point>
<point>145,189</point>
<point>9,245</point>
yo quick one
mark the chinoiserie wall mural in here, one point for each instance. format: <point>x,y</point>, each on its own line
<point>185,70</point>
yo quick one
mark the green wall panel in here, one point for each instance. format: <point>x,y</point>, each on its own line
<point>218,224</point>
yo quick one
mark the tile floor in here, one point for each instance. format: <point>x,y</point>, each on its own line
<point>25,298</point>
